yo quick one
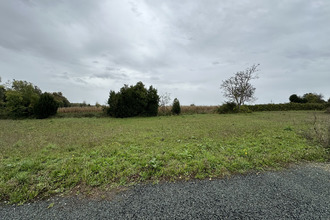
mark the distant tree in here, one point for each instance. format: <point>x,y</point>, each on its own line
<point>133,101</point>
<point>176,108</point>
<point>60,99</point>
<point>46,106</point>
<point>313,98</point>
<point>164,101</point>
<point>2,94</point>
<point>238,88</point>
<point>2,99</point>
<point>329,100</point>
<point>152,102</point>
<point>21,98</point>
<point>297,99</point>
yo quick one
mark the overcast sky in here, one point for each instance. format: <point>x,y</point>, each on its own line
<point>85,48</point>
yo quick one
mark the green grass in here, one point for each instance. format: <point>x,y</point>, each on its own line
<point>40,158</point>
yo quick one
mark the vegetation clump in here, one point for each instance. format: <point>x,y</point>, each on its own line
<point>307,98</point>
<point>176,108</point>
<point>228,107</point>
<point>46,106</point>
<point>61,100</point>
<point>133,101</point>
<point>21,99</point>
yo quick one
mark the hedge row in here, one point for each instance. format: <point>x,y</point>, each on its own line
<point>289,106</point>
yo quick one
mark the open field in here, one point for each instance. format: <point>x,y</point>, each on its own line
<point>44,157</point>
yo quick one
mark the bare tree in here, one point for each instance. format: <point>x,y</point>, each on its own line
<point>238,88</point>
<point>164,100</point>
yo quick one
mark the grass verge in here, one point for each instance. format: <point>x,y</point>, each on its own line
<point>40,158</point>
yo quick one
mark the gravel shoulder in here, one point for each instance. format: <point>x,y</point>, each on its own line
<point>299,192</point>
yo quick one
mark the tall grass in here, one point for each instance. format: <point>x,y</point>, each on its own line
<point>79,109</point>
<point>162,111</point>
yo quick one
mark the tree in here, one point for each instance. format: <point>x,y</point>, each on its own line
<point>2,99</point>
<point>296,99</point>
<point>164,100</point>
<point>133,101</point>
<point>152,102</point>
<point>238,88</point>
<point>21,98</point>
<point>176,108</point>
<point>46,106</point>
<point>60,99</point>
<point>313,98</point>
<point>2,95</point>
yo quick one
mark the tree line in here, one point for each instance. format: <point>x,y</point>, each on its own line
<point>22,99</point>
<point>308,98</point>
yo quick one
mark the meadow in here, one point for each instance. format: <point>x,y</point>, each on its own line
<point>40,158</point>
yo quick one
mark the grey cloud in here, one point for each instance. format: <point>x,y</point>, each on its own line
<point>170,44</point>
<point>111,75</point>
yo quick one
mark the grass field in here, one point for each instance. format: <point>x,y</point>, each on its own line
<point>45,157</point>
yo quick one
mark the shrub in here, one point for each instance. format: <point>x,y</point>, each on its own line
<point>46,106</point>
<point>296,99</point>
<point>289,107</point>
<point>152,102</point>
<point>244,109</point>
<point>328,110</point>
<point>176,108</point>
<point>133,101</point>
<point>61,100</point>
<point>228,107</point>
<point>21,98</point>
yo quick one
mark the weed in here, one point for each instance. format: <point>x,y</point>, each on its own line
<point>54,156</point>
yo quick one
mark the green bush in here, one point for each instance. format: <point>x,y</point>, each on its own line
<point>61,100</point>
<point>288,107</point>
<point>244,109</point>
<point>46,106</point>
<point>296,99</point>
<point>133,101</point>
<point>228,107</point>
<point>21,98</point>
<point>176,108</point>
<point>307,98</point>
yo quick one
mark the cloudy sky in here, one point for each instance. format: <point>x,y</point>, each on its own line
<point>85,48</point>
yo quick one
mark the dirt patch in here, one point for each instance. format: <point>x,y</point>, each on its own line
<point>95,193</point>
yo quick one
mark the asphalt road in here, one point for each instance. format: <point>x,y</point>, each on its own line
<point>300,192</point>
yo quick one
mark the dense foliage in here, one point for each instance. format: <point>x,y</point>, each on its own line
<point>176,108</point>
<point>133,101</point>
<point>21,99</point>
<point>61,100</point>
<point>307,98</point>
<point>289,106</point>
<point>46,106</point>
<point>228,107</point>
